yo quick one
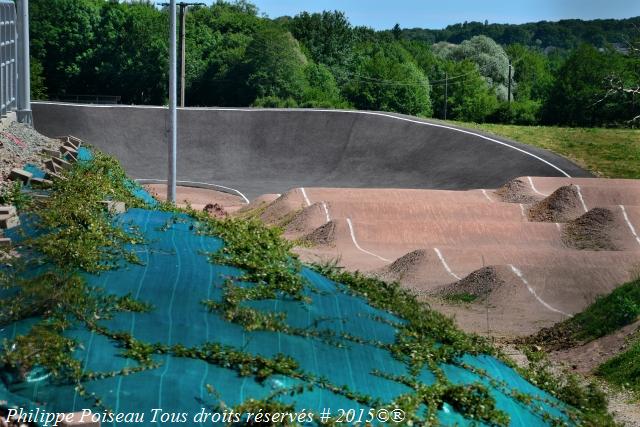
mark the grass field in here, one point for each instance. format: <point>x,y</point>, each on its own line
<point>611,153</point>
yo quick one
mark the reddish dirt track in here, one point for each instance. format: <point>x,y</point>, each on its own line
<point>198,198</point>
<point>430,240</point>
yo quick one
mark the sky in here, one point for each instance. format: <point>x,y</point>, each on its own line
<point>383,14</point>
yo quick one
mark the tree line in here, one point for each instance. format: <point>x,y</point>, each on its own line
<point>235,57</point>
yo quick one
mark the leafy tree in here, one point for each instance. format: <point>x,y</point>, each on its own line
<point>131,54</point>
<point>579,86</point>
<point>385,78</point>
<point>328,36</point>
<point>322,90</point>
<point>397,32</point>
<point>276,65</point>
<point>469,97</point>
<point>532,70</point>
<point>38,88</point>
<point>63,42</point>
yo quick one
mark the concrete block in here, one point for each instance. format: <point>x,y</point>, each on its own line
<point>71,140</point>
<point>8,210</point>
<point>51,152</point>
<point>5,242</point>
<point>114,207</point>
<point>62,163</point>
<point>68,149</point>
<point>77,419</point>
<point>9,221</point>
<point>20,175</point>
<point>52,166</point>
<point>71,157</point>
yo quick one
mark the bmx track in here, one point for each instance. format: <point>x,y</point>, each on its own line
<point>260,151</point>
<point>382,193</point>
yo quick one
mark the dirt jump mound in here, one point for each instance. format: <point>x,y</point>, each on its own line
<point>591,231</point>
<point>516,191</point>
<point>561,206</point>
<point>478,284</point>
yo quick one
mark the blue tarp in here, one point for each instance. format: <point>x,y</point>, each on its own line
<point>176,277</point>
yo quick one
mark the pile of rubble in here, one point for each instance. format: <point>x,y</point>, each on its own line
<point>20,145</point>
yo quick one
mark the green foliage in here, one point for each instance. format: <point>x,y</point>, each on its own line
<point>463,297</point>
<point>470,97</point>
<point>38,87</point>
<point>606,315</point>
<point>14,195</point>
<point>624,369</point>
<point>327,36</point>
<point>491,59</point>
<point>386,79</point>
<point>237,58</point>
<point>563,34</point>
<point>322,90</point>
<point>276,65</point>
<point>577,95</point>
<point>77,231</point>
<point>589,399</point>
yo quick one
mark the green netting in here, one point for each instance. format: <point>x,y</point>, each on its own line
<point>176,277</point>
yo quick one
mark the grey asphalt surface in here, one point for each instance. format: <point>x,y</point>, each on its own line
<point>259,151</point>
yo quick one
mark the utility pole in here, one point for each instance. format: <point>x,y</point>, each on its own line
<point>509,90</point>
<point>173,110</point>
<point>446,93</point>
<point>24,67</point>
<point>183,48</point>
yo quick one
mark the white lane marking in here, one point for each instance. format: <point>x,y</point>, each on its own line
<point>558,226</point>
<point>629,224</point>
<point>446,266</point>
<point>533,292</point>
<point>326,211</point>
<point>533,187</point>
<point>584,205</point>
<point>487,195</point>
<point>524,215</point>
<point>195,184</point>
<point>371,113</point>
<point>355,242</point>
<point>304,194</point>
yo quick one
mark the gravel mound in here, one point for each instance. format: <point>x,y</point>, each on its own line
<point>591,231</point>
<point>480,284</point>
<point>516,191</point>
<point>325,235</point>
<point>19,145</point>
<point>307,220</point>
<point>561,206</point>
<point>283,209</point>
<point>405,266</point>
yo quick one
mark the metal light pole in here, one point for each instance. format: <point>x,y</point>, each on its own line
<point>24,67</point>
<point>183,49</point>
<point>173,110</point>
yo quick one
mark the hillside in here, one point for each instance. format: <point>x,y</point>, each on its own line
<point>564,34</point>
